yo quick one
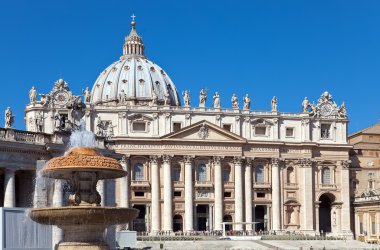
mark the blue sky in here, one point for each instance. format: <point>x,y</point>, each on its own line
<point>290,49</point>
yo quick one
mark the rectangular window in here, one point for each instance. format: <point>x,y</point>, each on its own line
<point>177,193</point>
<point>373,227</point>
<point>226,175</point>
<point>227,127</point>
<point>139,126</point>
<point>139,194</point>
<point>361,227</point>
<point>289,132</point>
<point>227,194</point>
<point>260,131</point>
<point>176,174</point>
<point>176,126</point>
<point>325,131</point>
<point>260,195</point>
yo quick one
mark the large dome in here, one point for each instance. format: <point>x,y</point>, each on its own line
<point>134,80</point>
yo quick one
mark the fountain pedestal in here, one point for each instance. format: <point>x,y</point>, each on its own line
<point>84,221</point>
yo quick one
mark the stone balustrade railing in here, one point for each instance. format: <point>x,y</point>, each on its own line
<point>10,134</point>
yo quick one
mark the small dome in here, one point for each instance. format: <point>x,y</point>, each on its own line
<point>134,79</point>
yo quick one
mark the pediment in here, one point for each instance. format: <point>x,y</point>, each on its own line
<point>204,131</point>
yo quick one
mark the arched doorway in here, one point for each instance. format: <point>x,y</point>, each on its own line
<point>228,218</point>
<point>177,223</point>
<point>325,212</point>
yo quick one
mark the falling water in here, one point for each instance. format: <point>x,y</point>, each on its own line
<point>81,137</point>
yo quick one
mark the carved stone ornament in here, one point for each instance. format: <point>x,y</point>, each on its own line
<point>306,162</point>
<point>154,159</point>
<point>276,161</point>
<point>326,108</point>
<point>346,164</point>
<point>188,159</point>
<point>217,160</point>
<point>238,160</point>
<point>202,194</point>
<point>167,158</point>
<point>203,131</point>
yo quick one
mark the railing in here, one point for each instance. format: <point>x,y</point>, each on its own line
<point>327,186</point>
<point>261,184</point>
<point>203,184</point>
<point>291,185</point>
<point>24,136</point>
<point>140,183</point>
<point>178,183</point>
<point>228,183</point>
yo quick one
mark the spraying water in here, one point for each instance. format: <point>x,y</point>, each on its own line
<point>82,138</point>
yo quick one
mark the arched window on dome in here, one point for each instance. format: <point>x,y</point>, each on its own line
<point>138,172</point>
<point>326,180</point>
<point>259,174</point>
<point>201,172</point>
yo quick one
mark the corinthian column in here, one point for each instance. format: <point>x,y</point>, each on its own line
<point>188,194</point>
<point>276,206</point>
<point>248,194</point>
<point>218,193</point>
<point>155,194</point>
<point>238,193</point>
<point>9,188</point>
<point>308,197</point>
<point>168,199</point>
<point>125,183</point>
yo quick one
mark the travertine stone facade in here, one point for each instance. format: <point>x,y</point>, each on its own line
<point>365,183</point>
<point>193,167</point>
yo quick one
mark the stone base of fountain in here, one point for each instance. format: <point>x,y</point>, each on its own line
<point>83,226</point>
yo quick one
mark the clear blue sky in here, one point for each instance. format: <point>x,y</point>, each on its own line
<point>290,49</point>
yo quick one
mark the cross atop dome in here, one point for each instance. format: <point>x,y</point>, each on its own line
<point>133,45</point>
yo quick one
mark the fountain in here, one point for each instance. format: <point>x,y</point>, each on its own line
<point>84,221</point>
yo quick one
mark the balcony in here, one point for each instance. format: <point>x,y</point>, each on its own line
<point>228,184</point>
<point>327,186</point>
<point>140,184</point>
<point>291,185</point>
<point>261,185</point>
<point>178,183</point>
<point>203,184</point>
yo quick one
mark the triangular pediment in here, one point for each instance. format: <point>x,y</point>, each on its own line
<point>204,131</point>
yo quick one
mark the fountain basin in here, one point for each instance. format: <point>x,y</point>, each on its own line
<point>83,215</point>
<point>83,226</point>
<point>83,160</point>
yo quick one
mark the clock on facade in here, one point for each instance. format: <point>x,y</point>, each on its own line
<point>61,98</point>
<point>326,109</point>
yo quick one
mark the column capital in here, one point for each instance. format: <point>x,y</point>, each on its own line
<point>237,160</point>
<point>276,161</point>
<point>167,158</point>
<point>345,164</point>
<point>307,162</point>
<point>154,158</point>
<point>217,159</point>
<point>125,159</point>
<point>249,161</point>
<point>188,159</point>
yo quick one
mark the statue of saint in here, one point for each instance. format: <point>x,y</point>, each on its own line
<point>216,100</point>
<point>186,98</point>
<point>57,120</point>
<point>234,101</point>
<point>342,112</point>
<point>274,104</point>
<point>33,95</point>
<point>110,131</point>
<point>122,96</point>
<point>247,102</point>
<point>9,118</point>
<point>305,105</point>
<point>87,95</point>
<point>202,98</point>
<point>39,121</point>
<point>166,99</point>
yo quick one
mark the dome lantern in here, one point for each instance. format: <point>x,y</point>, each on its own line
<point>133,45</point>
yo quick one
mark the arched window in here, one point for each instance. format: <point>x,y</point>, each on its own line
<point>138,172</point>
<point>176,174</point>
<point>201,172</point>
<point>226,174</point>
<point>326,176</point>
<point>259,174</point>
<point>290,175</point>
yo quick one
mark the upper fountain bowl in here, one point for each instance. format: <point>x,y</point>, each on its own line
<point>83,160</point>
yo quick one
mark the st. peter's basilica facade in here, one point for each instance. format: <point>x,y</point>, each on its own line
<point>192,167</point>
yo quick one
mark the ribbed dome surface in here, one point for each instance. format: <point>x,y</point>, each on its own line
<point>134,79</point>
<point>138,77</point>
